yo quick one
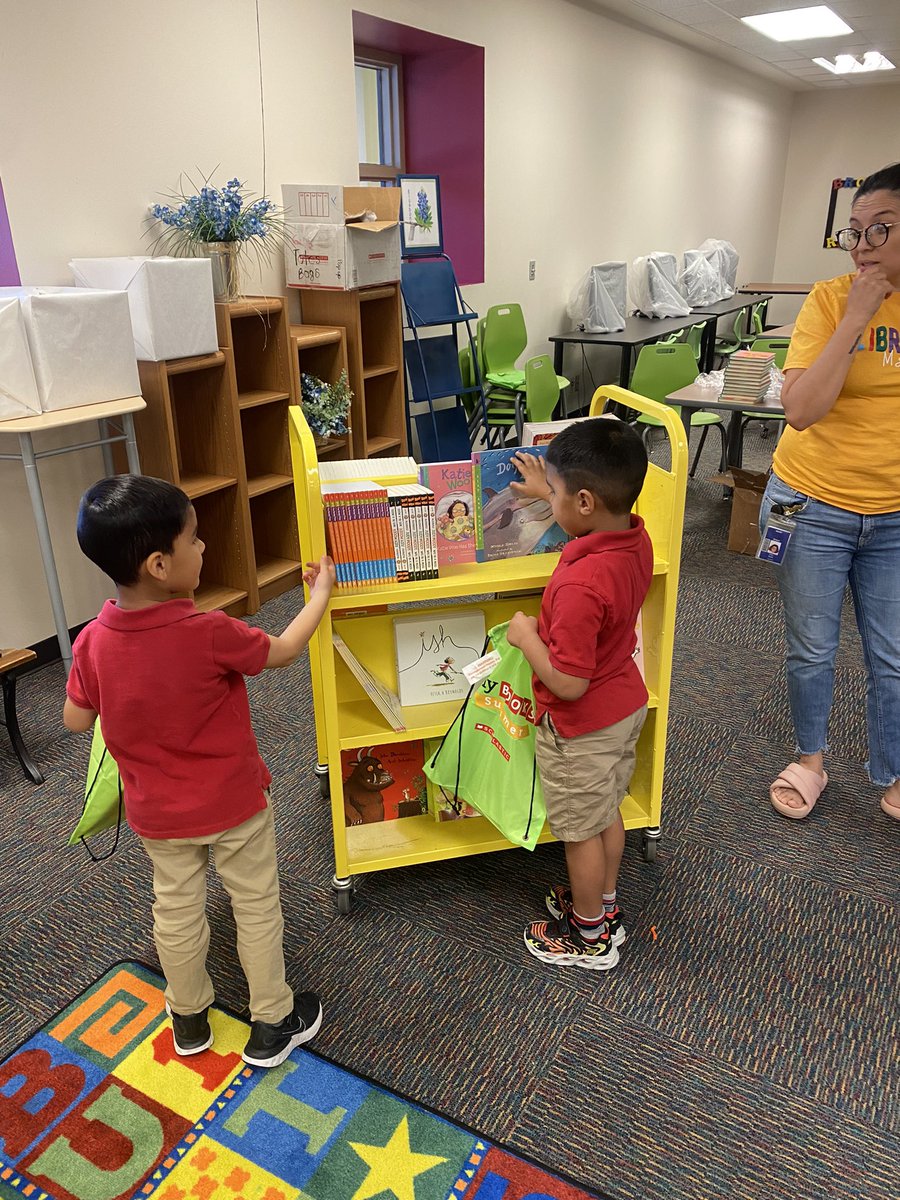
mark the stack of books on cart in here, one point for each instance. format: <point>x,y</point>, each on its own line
<point>747,375</point>
<point>381,532</point>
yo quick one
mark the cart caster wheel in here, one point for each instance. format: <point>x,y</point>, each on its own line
<point>343,894</point>
<point>320,770</point>
<point>650,844</point>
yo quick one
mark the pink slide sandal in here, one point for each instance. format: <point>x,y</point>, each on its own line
<point>892,810</point>
<point>806,783</point>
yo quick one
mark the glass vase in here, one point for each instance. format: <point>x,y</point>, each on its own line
<point>226,268</point>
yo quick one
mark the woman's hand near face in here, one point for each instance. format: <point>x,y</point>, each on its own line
<point>868,291</point>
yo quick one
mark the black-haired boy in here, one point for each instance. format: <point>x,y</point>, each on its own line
<point>168,684</point>
<point>590,699</point>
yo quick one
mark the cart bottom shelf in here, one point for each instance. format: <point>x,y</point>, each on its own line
<point>411,840</point>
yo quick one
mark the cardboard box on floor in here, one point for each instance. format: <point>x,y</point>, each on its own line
<point>743,532</point>
<point>329,242</point>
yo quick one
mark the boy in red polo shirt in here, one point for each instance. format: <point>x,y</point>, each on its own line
<point>590,699</point>
<point>168,684</point>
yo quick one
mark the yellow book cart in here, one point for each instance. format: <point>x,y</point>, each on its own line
<point>346,719</point>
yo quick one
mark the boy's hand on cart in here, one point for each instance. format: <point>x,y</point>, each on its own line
<point>534,477</point>
<point>320,577</point>
<point>521,629</point>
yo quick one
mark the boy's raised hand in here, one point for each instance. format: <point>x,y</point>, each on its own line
<point>320,577</point>
<point>521,628</point>
<point>534,477</point>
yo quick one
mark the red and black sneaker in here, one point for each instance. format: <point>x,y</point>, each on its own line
<point>561,944</point>
<point>559,904</point>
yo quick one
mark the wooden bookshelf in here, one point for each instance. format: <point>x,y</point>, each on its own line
<point>321,350</point>
<point>372,320</point>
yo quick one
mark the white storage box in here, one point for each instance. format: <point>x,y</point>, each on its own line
<point>18,387</point>
<point>341,237</point>
<point>81,345</point>
<point>171,300</point>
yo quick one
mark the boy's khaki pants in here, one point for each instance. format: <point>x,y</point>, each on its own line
<point>246,863</point>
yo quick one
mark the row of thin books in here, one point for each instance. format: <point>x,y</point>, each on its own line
<point>380,534</point>
<point>747,375</point>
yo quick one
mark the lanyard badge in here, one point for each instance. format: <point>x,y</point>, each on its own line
<point>773,545</point>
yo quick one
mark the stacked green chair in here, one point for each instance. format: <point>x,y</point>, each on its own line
<point>779,347</point>
<point>661,369</point>
<point>739,340</point>
<point>502,339</point>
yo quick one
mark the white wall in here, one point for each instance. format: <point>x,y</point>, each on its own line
<point>601,142</point>
<point>833,135</point>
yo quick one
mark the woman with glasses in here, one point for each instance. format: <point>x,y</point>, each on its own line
<point>835,488</point>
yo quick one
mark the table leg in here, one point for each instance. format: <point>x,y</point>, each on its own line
<point>131,446</point>
<point>708,345</point>
<point>625,367</point>
<point>686,414</point>
<point>734,442</point>
<point>558,348</point>
<point>29,461</point>
<point>109,467</point>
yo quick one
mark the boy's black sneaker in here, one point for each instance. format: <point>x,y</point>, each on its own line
<point>270,1045</point>
<point>559,904</point>
<point>191,1034</point>
<point>560,944</point>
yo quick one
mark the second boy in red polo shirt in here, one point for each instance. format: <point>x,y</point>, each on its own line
<point>590,699</point>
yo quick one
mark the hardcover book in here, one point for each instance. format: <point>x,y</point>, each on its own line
<point>382,783</point>
<point>454,502</point>
<point>432,649</point>
<point>386,701</point>
<point>506,525</point>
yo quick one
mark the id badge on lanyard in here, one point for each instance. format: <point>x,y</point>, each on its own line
<point>776,537</point>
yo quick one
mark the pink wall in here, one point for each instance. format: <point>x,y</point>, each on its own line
<point>444,116</point>
<point>9,270</point>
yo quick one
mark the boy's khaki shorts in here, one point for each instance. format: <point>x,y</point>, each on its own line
<point>585,778</point>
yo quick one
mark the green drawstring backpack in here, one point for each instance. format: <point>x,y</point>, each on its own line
<point>486,757</point>
<point>102,798</point>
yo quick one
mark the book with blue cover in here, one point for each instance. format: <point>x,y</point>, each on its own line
<point>507,525</point>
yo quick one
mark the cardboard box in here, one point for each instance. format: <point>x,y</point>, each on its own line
<point>330,243</point>
<point>743,532</point>
<point>18,387</point>
<point>171,301</point>
<point>81,345</point>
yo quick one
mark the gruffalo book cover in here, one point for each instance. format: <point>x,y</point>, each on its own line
<point>382,783</point>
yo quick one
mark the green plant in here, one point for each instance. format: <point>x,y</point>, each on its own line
<point>326,406</point>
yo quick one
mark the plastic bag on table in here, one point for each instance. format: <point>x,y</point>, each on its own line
<point>723,258</point>
<point>597,303</point>
<point>776,381</point>
<point>698,279</point>
<point>714,380</point>
<point>654,286</point>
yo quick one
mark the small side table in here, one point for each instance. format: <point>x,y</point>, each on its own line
<point>115,415</point>
<point>11,663</point>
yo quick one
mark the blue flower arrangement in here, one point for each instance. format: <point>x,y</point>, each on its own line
<point>214,214</point>
<point>325,406</point>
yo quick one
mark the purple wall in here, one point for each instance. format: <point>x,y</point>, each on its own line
<point>9,270</point>
<point>444,119</point>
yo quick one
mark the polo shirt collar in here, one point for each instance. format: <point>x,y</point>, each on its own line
<point>154,616</point>
<point>594,543</point>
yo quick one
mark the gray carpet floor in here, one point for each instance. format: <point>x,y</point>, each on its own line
<point>746,1048</point>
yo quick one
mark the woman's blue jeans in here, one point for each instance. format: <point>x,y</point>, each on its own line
<point>830,548</point>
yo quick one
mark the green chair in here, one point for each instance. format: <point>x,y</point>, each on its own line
<point>661,369</point>
<point>502,339</point>
<point>739,340</point>
<point>779,347</point>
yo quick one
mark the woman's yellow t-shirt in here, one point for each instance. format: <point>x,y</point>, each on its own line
<point>851,457</point>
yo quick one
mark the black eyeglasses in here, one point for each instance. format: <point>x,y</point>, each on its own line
<point>876,235</point>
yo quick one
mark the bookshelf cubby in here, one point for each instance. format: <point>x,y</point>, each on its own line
<point>347,719</point>
<point>217,425</point>
<point>321,350</point>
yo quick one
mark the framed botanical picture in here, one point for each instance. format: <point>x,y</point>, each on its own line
<point>420,215</point>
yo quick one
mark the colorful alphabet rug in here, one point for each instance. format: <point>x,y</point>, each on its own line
<point>97,1106</point>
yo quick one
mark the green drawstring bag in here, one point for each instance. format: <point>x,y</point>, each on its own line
<point>102,798</point>
<point>486,757</point>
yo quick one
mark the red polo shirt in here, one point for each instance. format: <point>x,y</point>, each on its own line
<point>168,683</point>
<point>588,614</point>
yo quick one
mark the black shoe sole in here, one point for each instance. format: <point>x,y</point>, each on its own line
<point>275,1060</point>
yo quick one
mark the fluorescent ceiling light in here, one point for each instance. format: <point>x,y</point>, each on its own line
<point>798,24</point>
<point>846,64</point>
